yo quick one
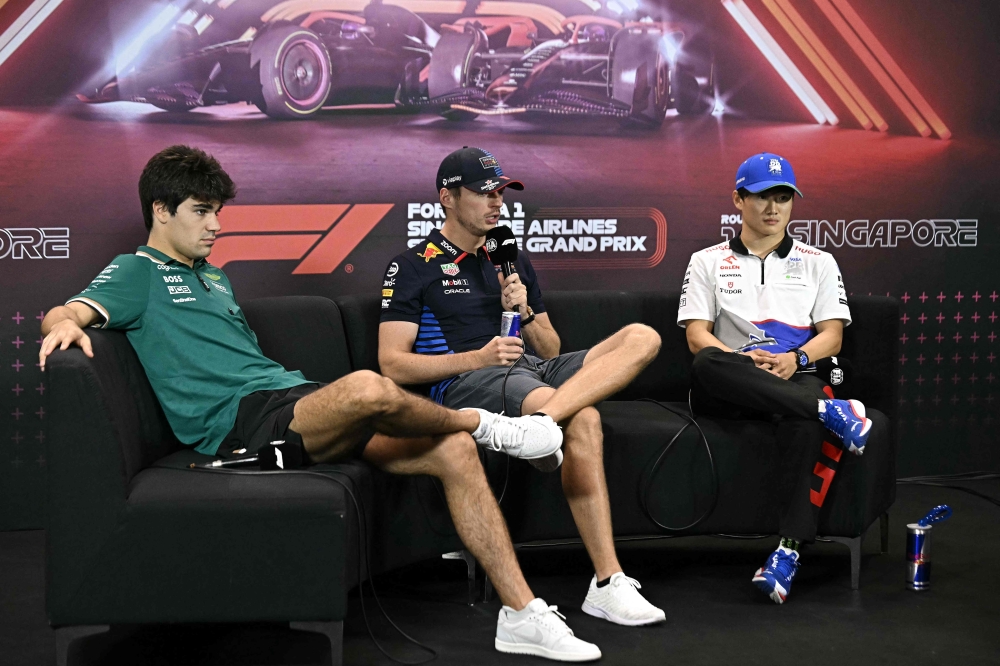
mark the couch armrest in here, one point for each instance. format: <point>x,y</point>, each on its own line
<point>871,343</point>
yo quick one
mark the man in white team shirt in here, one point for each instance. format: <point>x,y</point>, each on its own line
<point>759,311</point>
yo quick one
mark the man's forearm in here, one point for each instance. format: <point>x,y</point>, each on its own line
<point>58,314</point>
<point>544,341</point>
<point>411,368</point>
<point>698,340</point>
<point>824,344</point>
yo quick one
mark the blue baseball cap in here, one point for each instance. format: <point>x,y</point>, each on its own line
<point>764,171</point>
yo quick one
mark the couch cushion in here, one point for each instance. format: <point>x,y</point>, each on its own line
<point>303,333</point>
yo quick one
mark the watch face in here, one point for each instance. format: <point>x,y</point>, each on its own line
<point>803,359</point>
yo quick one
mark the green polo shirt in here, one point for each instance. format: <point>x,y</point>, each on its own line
<point>192,339</point>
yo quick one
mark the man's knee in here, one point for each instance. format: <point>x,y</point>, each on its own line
<point>456,454</point>
<point>706,361</point>
<point>644,339</point>
<point>372,390</point>
<point>584,433</point>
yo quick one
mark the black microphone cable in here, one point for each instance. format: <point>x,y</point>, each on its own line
<point>647,483</point>
<point>503,410</point>
<point>362,553</point>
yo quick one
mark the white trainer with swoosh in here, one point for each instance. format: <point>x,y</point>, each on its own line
<point>620,602</point>
<point>527,437</point>
<point>539,630</point>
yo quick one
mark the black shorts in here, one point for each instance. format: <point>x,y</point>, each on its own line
<point>263,417</point>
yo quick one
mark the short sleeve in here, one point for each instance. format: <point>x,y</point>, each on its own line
<point>831,296</point>
<point>697,293</point>
<point>119,293</point>
<point>530,280</point>
<point>402,292</point>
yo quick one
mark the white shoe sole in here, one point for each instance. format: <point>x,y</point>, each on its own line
<point>593,610</point>
<point>540,651</point>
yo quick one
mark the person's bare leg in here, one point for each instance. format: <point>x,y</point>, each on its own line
<point>608,367</point>
<point>454,460</point>
<point>583,481</point>
<point>338,416</point>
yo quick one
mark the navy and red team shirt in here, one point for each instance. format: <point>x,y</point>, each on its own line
<point>453,296</point>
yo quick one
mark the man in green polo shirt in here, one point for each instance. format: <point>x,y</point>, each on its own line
<point>221,395</point>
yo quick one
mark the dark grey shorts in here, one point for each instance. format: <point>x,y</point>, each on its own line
<point>481,388</point>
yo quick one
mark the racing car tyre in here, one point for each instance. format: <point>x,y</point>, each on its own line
<point>449,67</point>
<point>640,76</point>
<point>295,71</point>
<point>688,99</point>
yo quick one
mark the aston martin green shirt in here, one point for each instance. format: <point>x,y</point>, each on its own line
<point>192,339</point>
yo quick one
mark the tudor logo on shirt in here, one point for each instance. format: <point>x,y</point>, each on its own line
<point>430,252</point>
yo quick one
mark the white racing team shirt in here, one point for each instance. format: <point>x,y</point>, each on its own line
<point>771,303</point>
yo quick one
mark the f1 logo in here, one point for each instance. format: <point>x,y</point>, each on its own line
<point>321,235</point>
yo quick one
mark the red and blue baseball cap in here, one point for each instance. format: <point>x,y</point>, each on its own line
<point>474,169</point>
<point>764,171</point>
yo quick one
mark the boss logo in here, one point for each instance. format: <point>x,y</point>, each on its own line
<point>173,278</point>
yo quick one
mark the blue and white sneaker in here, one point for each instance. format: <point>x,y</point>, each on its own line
<point>846,419</point>
<point>775,578</point>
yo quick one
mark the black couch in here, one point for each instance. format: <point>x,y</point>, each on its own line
<point>135,536</point>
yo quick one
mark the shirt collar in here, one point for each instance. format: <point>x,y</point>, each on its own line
<point>161,258</point>
<point>450,249</point>
<point>737,246</point>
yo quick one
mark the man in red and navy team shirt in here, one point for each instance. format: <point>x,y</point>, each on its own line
<point>442,303</point>
<point>759,311</point>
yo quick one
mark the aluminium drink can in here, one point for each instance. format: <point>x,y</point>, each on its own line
<point>510,325</point>
<point>918,558</point>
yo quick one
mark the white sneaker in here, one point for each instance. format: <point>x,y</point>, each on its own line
<point>549,463</point>
<point>527,437</point>
<point>539,630</point>
<point>620,602</point>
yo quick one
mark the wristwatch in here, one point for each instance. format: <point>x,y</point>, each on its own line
<point>530,318</point>
<point>801,358</point>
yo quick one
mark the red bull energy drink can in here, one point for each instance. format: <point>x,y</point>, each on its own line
<point>510,325</point>
<point>918,558</point>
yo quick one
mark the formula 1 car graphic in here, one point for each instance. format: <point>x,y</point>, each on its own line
<point>594,66</point>
<point>298,58</point>
<point>481,57</point>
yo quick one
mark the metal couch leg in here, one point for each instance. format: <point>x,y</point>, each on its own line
<point>855,546</point>
<point>470,564</point>
<point>883,525</point>
<point>66,635</point>
<point>334,631</point>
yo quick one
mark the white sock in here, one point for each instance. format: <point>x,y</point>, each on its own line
<point>483,429</point>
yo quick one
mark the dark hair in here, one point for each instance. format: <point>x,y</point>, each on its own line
<point>176,173</point>
<point>744,192</point>
<point>456,191</point>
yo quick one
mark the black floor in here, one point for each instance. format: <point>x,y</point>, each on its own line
<point>714,614</point>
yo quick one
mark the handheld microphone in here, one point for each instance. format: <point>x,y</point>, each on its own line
<point>277,455</point>
<point>502,248</point>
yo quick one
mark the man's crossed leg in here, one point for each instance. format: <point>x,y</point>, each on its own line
<point>416,436</point>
